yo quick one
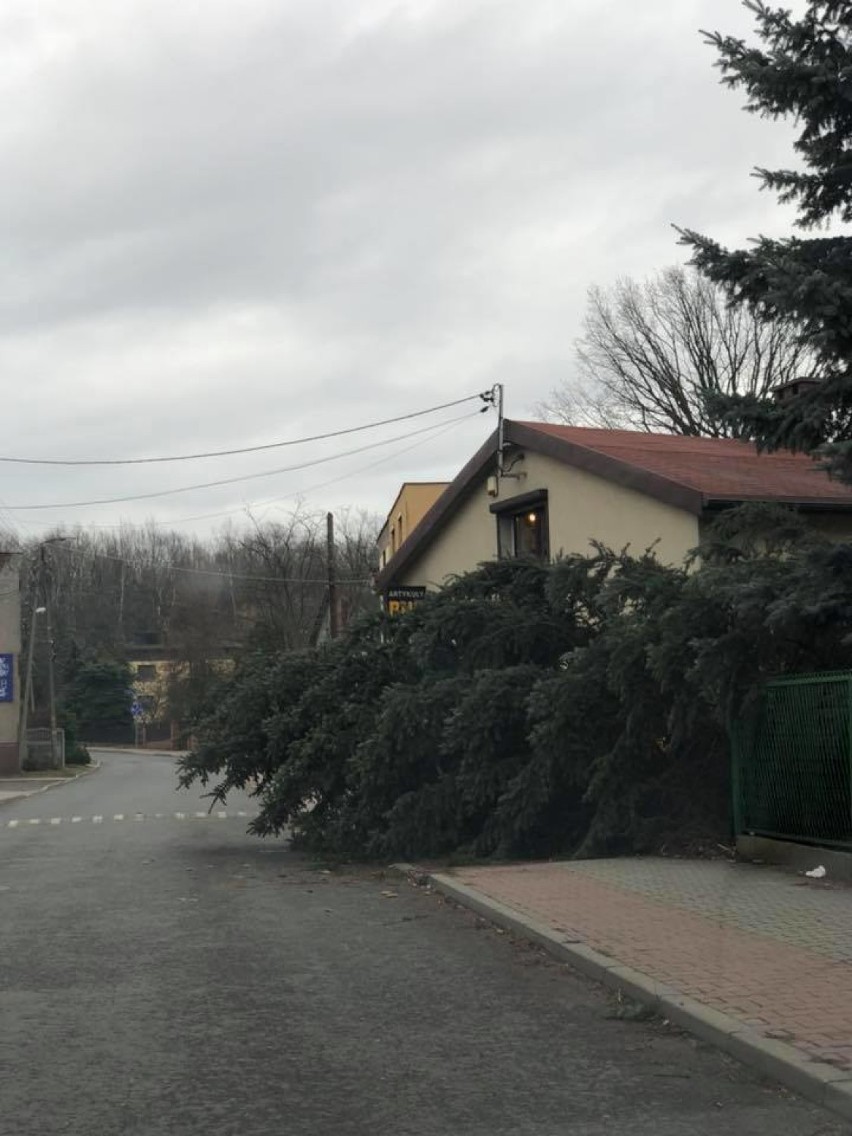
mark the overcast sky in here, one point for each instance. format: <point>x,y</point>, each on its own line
<point>231,223</point>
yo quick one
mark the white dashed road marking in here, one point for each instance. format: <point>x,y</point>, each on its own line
<point>119,817</point>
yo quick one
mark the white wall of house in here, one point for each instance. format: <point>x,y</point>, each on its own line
<point>466,539</point>
<point>581,507</point>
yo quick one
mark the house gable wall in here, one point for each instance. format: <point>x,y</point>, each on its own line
<point>581,507</point>
<point>468,537</point>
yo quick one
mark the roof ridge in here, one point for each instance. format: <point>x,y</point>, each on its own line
<point>673,442</point>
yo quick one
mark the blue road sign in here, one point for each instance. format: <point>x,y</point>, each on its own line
<point>7,678</point>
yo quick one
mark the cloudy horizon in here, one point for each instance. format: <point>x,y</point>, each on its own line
<point>228,225</point>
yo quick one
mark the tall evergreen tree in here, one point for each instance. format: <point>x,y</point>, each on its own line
<point>802,70</point>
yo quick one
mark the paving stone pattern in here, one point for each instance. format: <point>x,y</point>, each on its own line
<point>767,947</point>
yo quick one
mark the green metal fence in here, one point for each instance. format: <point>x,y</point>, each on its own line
<point>792,761</point>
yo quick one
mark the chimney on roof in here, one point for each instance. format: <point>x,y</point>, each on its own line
<point>786,392</point>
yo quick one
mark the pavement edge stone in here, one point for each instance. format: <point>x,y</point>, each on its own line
<point>56,783</point>
<point>821,1083</point>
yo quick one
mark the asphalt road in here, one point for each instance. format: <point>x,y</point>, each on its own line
<point>165,974</point>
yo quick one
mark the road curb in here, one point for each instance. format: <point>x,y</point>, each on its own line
<point>56,783</point>
<point>821,1083</point>
<point>138,750</point>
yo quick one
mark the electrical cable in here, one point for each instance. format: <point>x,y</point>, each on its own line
<point>439,429</point>
<point>244,449</point>
<point>223,481</point>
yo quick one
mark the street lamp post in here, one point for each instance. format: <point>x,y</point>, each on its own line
<point>28,689</point>
<point>51,687</point>
<point>51,677</point>
<point>42,573</point>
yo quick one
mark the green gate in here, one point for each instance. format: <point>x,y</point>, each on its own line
<point>792,761</point>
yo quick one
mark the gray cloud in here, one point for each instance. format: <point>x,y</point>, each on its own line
<point>223,224</point>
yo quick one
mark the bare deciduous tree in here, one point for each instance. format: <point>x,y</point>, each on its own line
<point>652,352</point>
<point>259,585</point>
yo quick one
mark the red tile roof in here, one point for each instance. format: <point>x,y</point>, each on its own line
<point>719,468</point>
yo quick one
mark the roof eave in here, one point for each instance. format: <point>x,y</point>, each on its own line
<point>622,473</point>
<point>437,514</point>
<point>806,504</point>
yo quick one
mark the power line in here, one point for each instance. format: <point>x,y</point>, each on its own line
<point>438,430</point>
<point>242,450</point>
<point>222,481</point>
<point>9,523</point>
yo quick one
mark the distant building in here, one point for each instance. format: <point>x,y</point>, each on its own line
<point>787,392</point>
<point>157,674</point>
<point>413,501</point>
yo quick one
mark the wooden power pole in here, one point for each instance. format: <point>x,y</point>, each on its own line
<point>333,612</point>
<point>51,676</point>
<point>23,720</point>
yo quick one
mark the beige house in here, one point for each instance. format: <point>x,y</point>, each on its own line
<point>564,486</point>
<point>155,671</point>
<point>412,503</point>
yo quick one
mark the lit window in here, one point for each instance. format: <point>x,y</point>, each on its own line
<point>529,533</point>
<point>522,526</point>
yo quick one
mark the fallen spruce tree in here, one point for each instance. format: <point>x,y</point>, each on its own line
<point>527,709</point>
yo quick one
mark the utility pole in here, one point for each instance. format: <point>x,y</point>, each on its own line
<point>35,611</point>
<point>333,628</point>
<point>494,397</point>
<point>498,402</point>
<point>40,571</point>
<point>51,677</point>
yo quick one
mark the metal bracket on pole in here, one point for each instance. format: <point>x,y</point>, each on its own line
<point>494,398</point>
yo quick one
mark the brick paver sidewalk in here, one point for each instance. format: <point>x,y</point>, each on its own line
<point>767,947</point>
